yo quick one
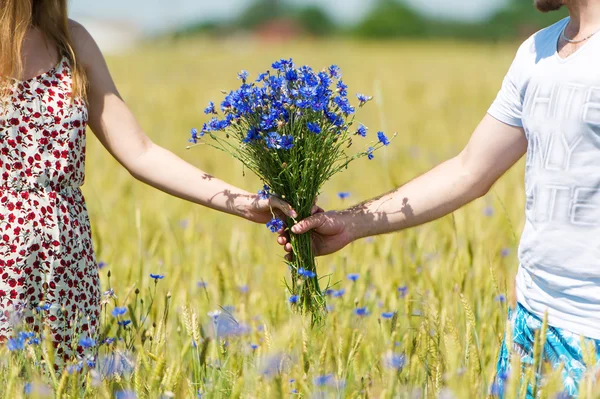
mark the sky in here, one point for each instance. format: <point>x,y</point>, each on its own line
<point>155,15</point>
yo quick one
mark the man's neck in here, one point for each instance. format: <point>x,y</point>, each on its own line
<point>585,16</point>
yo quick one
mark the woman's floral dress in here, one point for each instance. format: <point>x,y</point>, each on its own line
<point>48,273</point>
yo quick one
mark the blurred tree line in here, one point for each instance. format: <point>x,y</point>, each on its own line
<point>389,19</point>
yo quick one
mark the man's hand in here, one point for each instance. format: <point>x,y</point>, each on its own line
<point>330,232</point>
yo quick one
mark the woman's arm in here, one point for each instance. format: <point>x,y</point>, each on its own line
<point>117,129</point>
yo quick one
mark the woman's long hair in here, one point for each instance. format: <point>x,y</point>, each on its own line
<point>51,18</point>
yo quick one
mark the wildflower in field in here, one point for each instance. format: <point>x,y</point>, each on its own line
<point>388,315</point>
<point>101,265</point>
<point>123,323</point>
<point>194,136</point>
<point>505,252</point>
<point>488,211</point>
<point>402,291</point>
<point>202,284</point>
<point>353,277</point>
<point>362,99</point>
<point>116,362</point>
<point>16,344</point>
<point>361,311</point>
<point>75,368</point>
<point>343,195</point>
<point>335,72</point>
<point>243,289</point>
<point>157,277</point>
<point>293,299</point>
<point>276,364</point>
<point>265,193</point>
<point>394,361</point>
<point>243,75</point>
<point>125,394</point>
<point>275,225</point>
<point>322,380</point>
<point>210,109</point>
<point>214,314</point>
<point>108,341</point>
<point>329,292</point>
<point>87,342</point>
<point>370,153</point>
<point>496,390</point>
<point>342,88</point>
<point>225,325</point>
<point>362,130</point>
<point>45,306</point>
<point>253,346</point>
<point>119,311</point>
<point>383,138</point>
<point>313,127</point>
<point>500,298</point>
<point>339,293</point>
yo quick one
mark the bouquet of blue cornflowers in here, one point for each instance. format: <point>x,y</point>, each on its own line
<point>292,127</point>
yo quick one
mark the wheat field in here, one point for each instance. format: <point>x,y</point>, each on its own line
<point>450,282</point>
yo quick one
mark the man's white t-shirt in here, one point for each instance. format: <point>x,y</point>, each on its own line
<point>557,102</point>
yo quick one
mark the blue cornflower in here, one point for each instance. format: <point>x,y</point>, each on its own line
<point>273,140</point>
<point>202,284</point>
<point>387,315</point>
<point>370,153</point>
<point>262,77</point>
<point>313,127</point>
<point>342,88</point>
<point>210,109</point>
<point>339,293</point>
<point>402,291</point>
<point>344,105</point>
<point>363,99</point>
<point>496,390</point>
<point>394,361</point>
<point>34,341</point>
<point>335,72</point>
<point>87,342</point>
<point>383,138</point>
<point>293,299</point>
<point>27,388</point>
<point>101,265</point>
<point>119,311</point>
<point>253,134</point>
<point>124,323</point>
<point>194,138</point>
<point>74,368</point>
<point>362,131</point>
<point>157,277</point>
<point>291,75</point>
<point>45,306</point>
<point>306,273</point>
<point>323,380</point>
<point>108,341</point>
<point>344,195</point>
<point>254,346</point>
<point>243,75</point>
<point>500,298</point>
<point>488,211</point>
<point>282,64</point>
<point>505,252</point>
<point>287,142</point>
<point>125,394</point>
<point>353,276</point>
<point>361,311</point>
<point>275,225</point>
<point>265,193</point>
<point>15,344</point>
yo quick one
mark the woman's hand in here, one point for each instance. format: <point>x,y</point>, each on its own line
<point>259,210</point>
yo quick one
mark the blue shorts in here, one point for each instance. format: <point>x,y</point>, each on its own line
<point>561,348</point>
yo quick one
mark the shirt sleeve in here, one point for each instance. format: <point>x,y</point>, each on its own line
<point>508,105</point>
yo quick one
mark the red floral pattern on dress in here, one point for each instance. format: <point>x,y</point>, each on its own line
<point>46,251</point>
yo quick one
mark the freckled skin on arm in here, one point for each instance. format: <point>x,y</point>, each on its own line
<point>119,132</point>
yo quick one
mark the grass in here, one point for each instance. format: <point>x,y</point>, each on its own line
<point>448,321</point>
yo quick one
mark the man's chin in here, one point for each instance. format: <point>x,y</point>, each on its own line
<point>549,5</point>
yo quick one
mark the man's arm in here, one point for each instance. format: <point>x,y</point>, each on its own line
<point>493,148</point>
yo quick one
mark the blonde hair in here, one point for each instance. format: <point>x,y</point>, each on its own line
<point>51,18</point>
